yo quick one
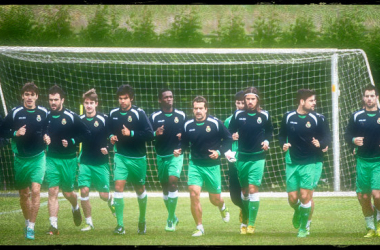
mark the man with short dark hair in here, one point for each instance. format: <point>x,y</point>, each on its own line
<point>208,139</point>
<point>363,136</point>
<point>167,126</point>
<point>130,130</point>
<point>302,136</point>
<point>64,131</point>
<point>94,163</point>
<point>24,125</point>
<point>233,179</point>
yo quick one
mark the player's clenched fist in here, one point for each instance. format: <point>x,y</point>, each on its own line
<point>113,139</point>
<point>21,131</point>
<point>47,139</point>
<point>286,146</point>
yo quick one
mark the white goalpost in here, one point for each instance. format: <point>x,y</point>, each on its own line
<point>338,76</point>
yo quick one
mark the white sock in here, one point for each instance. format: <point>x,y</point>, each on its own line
<point>54,221</point>
<point>142,196</point>
<point>27,222</point>
<point>76,208</point>
<point>369,222</point>
<point>223,207</point>
<point>173,194</point>
<point>31,225</point>
<point>308,223</point>
<point>254,197</point>
<point>307,205</point>
<point>377,215</point>
<point>89,221</point>
<point>200,227</point>
<point>85,198</point>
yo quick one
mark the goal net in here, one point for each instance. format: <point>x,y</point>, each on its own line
<point>338,76</point>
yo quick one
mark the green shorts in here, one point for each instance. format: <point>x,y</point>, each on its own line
<point>61,172</point>
<point>169,166</point>
<point>301,176</point>
<point>367,175</point>
<point>198,175</point>
<point>250,172</point>
<point>98,175</point>
<point>130,169</point>
<point>29,170</point>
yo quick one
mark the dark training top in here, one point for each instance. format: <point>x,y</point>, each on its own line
<point>173,124</point>
<point>31,143</point>
<point>299,130</point>
<point>65,125</point>
<point>365,124</point>
<point>98,126</point>
<point>253,128</point>
<point>137,122</point>
<point>208,134</point>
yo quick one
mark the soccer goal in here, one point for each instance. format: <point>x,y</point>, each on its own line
<point>338,76</point>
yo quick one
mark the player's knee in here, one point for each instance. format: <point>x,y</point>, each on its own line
<point>104,196</point>
<point>292,199</point>
<point>173,186</point>
<point>84,191</point>
<point>24,195</point>
<point>376,195</point>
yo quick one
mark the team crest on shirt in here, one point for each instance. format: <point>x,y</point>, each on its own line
<point>378,120</point>
<point>308,125</point>
<point>38,118</point>
<point>96,124</point>
<point>129,118</point>
<point>176,120</point>
<point>63,121</point>
<point>259,121</point>
<point>208,129</point>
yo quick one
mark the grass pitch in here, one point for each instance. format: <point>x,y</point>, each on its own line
<point>336,221</point>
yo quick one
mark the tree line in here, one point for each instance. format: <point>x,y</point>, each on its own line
<point>20,26</point>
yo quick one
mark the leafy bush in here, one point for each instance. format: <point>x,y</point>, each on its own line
<point>346,30</point>
<point>16,25</point>
<point>99,31</point>
<point>266,32</point>
<point>184,32</point>
<point>301,34</point>
<point>233,34</point>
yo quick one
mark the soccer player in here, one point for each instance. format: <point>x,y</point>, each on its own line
<point>234,184</point>
<point>130,130</point>
<point>167,125</point>
<point>64,131</point>
<point>302,136</point>
<point>94,168</point>
<point>209,138</point>
<point>24,125</point>
<point>363,134</point>
<point>255,130</point>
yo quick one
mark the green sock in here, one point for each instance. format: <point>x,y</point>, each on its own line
<point>172,205</point>
<point>166,203</point>
<point>119,209</point>
<point>246,208</point>
<point>305,212</point>
<point>253,210</point>
<point>142,207</point>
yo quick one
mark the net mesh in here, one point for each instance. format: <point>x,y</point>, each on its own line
<point>217,74</point>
